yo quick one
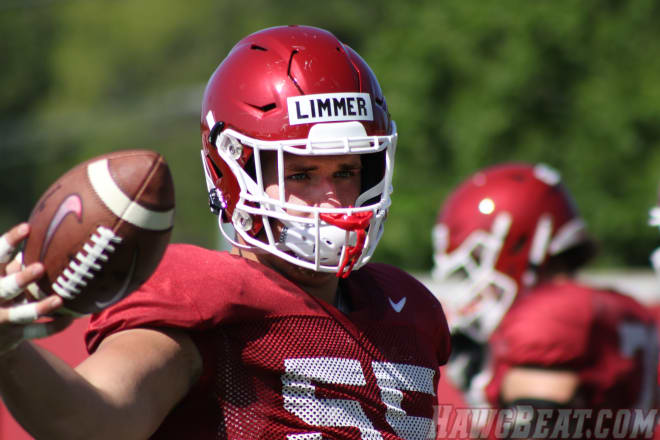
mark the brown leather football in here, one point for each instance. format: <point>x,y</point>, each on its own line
<point>101,229</point>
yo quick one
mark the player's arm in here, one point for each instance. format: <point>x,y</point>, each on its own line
<point>531,391</point>
<point>124,390</point>
<point>521,383</point>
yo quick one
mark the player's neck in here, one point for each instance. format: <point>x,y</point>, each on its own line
<point>321,285</point>
<point>326,291</point>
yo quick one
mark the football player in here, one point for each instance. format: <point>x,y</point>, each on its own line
<point>526,334</point>
<point>291,335</point>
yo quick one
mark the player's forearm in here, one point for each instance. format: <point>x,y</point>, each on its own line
<point>48,397</point>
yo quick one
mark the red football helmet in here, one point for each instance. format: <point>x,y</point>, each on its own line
<point>492,235</point>
<point>297,90</point>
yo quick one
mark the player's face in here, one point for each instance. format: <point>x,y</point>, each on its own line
<point>320,181</point>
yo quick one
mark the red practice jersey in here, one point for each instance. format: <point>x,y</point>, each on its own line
<point>607,338</point>
<point>280,364</point>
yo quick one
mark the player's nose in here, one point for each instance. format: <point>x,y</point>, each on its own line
<point>329,195</point>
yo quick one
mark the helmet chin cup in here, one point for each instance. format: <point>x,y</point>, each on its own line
<point>357,223</point>
<point>338,240</point>
<point>300,239</point>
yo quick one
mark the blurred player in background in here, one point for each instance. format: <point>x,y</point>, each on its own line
<point>291,335</point>
<point>509,241</point>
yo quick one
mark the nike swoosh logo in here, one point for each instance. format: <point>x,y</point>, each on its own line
<point>71,205</point>
<point>398,306</point>
<point>124,287</point>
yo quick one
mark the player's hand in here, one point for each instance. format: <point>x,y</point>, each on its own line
<point>18,318</point>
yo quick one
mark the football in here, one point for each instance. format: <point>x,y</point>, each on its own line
<point>101,229</point>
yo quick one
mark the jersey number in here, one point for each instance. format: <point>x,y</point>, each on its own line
<point>392,379</point>
<point>634,337</point>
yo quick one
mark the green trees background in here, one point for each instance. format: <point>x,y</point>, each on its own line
<point>575,84</point>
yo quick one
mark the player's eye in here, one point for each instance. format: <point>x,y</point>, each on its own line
<point>297,177</point>
<point>347,173</point>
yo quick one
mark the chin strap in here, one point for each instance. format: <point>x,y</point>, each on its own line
<point>358,223</point>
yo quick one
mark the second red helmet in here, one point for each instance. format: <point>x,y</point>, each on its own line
<point>494,233</point>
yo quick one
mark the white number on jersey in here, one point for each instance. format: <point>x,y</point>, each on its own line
<point>392,379</point>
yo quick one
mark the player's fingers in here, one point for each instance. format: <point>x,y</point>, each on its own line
<point>23,314</point>
<point>16,264</point>
<point>12,285</point>
<point>9,287</point>
<point>5,249</point>
<point>9,240</point>
<point>48,305</point>
<point>30,312</point>
<point>19,322</point>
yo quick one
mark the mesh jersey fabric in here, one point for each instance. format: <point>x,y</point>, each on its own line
<point>278,363</point>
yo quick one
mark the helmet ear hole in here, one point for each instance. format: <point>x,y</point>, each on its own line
<point>519,244</point>
<point>571,259</point>
<point>215,131</point>
<point>214,167</point>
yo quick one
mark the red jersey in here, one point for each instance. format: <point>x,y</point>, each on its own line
<point>279,363</point>
<point>608,339</point>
